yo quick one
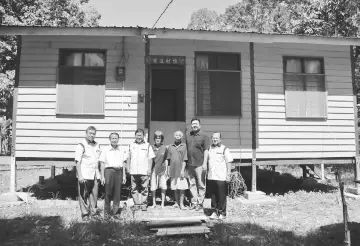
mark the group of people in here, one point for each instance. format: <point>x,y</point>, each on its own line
<point>187,163</point>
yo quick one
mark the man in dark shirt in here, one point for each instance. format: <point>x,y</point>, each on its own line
<point>197,149</point>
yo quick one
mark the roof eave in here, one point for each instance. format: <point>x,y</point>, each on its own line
<point>165,33</point>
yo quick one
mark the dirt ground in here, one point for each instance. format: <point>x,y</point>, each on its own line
<point>301,216</point>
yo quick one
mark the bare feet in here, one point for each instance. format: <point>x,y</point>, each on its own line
<point>162,206</point>
<point>182,207</point>
<point>154,205</point>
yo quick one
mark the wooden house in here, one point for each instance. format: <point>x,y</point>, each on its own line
<point>276,99</point>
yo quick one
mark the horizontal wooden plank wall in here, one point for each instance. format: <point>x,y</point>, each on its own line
<point>236,131</point>
<point>40,133</point>
<point>281,138</point>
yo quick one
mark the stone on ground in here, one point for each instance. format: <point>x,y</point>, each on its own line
<point>9,197</point>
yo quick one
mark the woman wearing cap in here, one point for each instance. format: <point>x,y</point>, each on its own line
<point>159,171</point>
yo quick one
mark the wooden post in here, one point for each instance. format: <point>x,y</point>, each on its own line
<point>13,174</point>
<point>254,122</point>
<point>357,174</point>
<point>13,128</point>
<point>357,133</point>
<point>322,171</point>
<point>347,240</point>
<point>52,170</point>
<point>147,83</point>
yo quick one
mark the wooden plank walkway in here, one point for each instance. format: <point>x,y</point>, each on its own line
<point>173,221</point>
<point>167,212</point>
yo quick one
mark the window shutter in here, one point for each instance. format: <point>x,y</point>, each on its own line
<point>295,104</point>
<point>316,104</point>
<point>69,99</point>
<point>80,99</point>
<point>93,99</point>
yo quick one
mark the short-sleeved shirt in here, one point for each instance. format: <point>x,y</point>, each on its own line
<point>197,143</point>
<point>218,157</point>
<point>113,157</point>
<point>160,153</point>
<point>176,156</point>
<point>140,154</point>
<point>88,157</point>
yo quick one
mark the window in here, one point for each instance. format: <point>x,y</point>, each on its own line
<point>305,89</point>
<point>218,84</point>
<point>81,82</point>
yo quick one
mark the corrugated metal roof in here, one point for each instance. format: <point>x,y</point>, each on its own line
<point>174,33</point>
<point>178,29</point>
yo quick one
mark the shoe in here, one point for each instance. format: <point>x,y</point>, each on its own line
<point>199,208</point>
<point>222,217</point>
<point>144,207</point>
<point>213,216</point>
<point>85,218</point>
<point>175,205</point>
<point>96,217</point>
<point>117,217</point>
<point>193,206</point>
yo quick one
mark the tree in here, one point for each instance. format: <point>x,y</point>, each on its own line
<point>205,19</point>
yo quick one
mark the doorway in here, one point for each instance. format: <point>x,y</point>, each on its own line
<point>167,100</point>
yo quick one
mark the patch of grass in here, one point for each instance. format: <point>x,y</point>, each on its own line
<point>300,217</point>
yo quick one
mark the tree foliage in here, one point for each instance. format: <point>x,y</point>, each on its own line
<point>205,19</point>
<point>41,13</point>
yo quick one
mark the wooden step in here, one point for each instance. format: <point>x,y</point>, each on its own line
<point>157,221</point>
<point>183,230</point>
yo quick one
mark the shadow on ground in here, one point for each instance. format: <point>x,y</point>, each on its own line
<point>281,183</point>
<point>39,230</point>
<point>64,186</point>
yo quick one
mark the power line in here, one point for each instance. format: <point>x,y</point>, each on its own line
<point>171,1</point>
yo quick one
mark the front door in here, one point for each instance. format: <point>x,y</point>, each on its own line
<point>167,101</point>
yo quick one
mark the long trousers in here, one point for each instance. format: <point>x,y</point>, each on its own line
<point>218,192</point>
<point>197,184</point>
<point>140,189</point>
<point>88,196</point>
<point>113,189</point>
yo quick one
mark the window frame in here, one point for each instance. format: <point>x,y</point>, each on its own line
<point>83,51</point>
<point>303,75</point>
<point>239,70</point>
<point>304,58</point>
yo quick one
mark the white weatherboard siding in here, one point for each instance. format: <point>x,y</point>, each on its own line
<point>236,131</point>
<point>40,133</point>
<point>281,138</point>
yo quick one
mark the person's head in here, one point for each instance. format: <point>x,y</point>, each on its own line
<point>216,138</point>
<point>114,138</point>
<point>158,137</point>
<point>91,131</point>
<point>178,135</point>
<point>195,124</point>
<point>139,135</point>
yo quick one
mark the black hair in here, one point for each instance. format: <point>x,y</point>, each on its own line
<point>113,133</point>
<point>195,119</point>
<point>91,128</point>
<point>157,134</point>
<point>139,130</point>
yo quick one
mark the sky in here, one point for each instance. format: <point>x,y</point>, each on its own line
<point>145,12</point>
